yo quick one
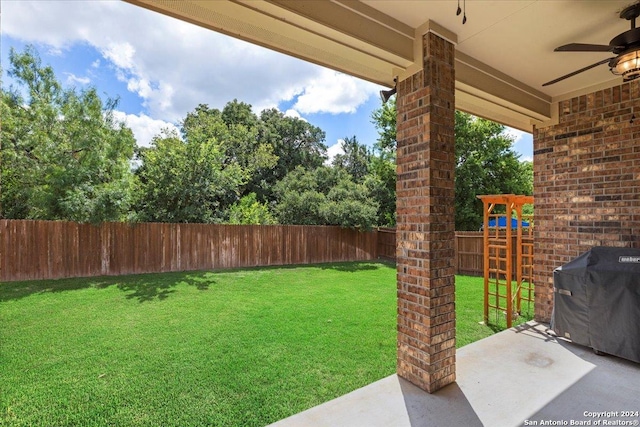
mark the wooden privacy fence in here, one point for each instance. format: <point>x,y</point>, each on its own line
<point>469,253</point>
<point>32,250</point>
<point>469,250</point>
<point>55,249</point>
<point>387,243</point>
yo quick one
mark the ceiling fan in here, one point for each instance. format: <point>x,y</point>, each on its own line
<point>626,47</point>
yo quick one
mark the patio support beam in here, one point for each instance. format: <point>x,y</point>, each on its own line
<point>425,218</point>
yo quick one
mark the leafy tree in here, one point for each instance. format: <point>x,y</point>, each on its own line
<point>381,183</point>
<point>239,113</point>
<point>202,175</point>
<point>324,196</point>
<point>384,118</point>
<point>485,164</point>
<point>250,211</point>
<point>295,142</point>
<point>348,204</point>
<point>239,158</point>
<point>186,180</point>
<point>298,198</point>
<point>64,156</point>
<point>355,160</point>
<point>236,130</point>
<point>382,179</point>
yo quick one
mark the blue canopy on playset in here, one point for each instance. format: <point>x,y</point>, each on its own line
<point>502,222</point>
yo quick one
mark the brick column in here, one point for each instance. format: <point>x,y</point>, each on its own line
<point>425,219</point>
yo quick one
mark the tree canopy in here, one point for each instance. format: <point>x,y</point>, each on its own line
<point>355,159</point>
<point>295,143</point>
<point>485,162</point>
<point>187,180</point>
<point>63,154</point>
<point>65,157</point>
<point>225,166</point>
<point>324,196</point>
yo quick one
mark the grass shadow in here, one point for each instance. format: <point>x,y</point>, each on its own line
<point>202,280</point>
<point>18,290</point>
<point>145,291</point>
<point>353,267</point>
<point>159,286</point>
<point>143,287</point>
<point>156,286</point>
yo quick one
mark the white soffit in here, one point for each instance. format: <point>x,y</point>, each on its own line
<point>270,25</point>
<point>504,52</point>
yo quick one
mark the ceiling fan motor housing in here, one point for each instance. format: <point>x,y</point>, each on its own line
<point>627,47</point>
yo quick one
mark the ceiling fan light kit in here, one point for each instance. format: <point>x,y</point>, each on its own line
<point>626,47</point>
<point>627,65</point>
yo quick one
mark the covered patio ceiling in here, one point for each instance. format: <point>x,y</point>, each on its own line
<point>504,52</point>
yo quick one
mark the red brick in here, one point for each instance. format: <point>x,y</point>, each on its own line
<point>585,182</point>
<point>425,191</point>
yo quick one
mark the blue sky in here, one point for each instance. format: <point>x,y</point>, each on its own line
<point>161,68</point>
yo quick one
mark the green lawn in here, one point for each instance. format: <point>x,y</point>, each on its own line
<point>243,347</point>
<point>469,312</point>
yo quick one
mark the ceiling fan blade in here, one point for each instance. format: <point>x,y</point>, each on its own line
<point>583,47</point>
<point>588,67</point>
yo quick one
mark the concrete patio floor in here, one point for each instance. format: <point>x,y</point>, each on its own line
<point>521,376</point>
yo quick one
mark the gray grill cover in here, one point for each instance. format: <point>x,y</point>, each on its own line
<point>597,301</point>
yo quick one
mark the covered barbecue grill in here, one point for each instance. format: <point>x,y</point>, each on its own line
<point>597,301</point>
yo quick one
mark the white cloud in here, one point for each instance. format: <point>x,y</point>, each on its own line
<point>121,54</point>
<point>54,51</point>
<point>292,113</point>
<point>174,66</point>
<point>72,79</point>
<point>333,92</point>
<point>144,127</point>
<point>333,151</point>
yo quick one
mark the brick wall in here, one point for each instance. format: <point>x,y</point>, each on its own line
<point>425,226</point>
<point>586,182</point>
